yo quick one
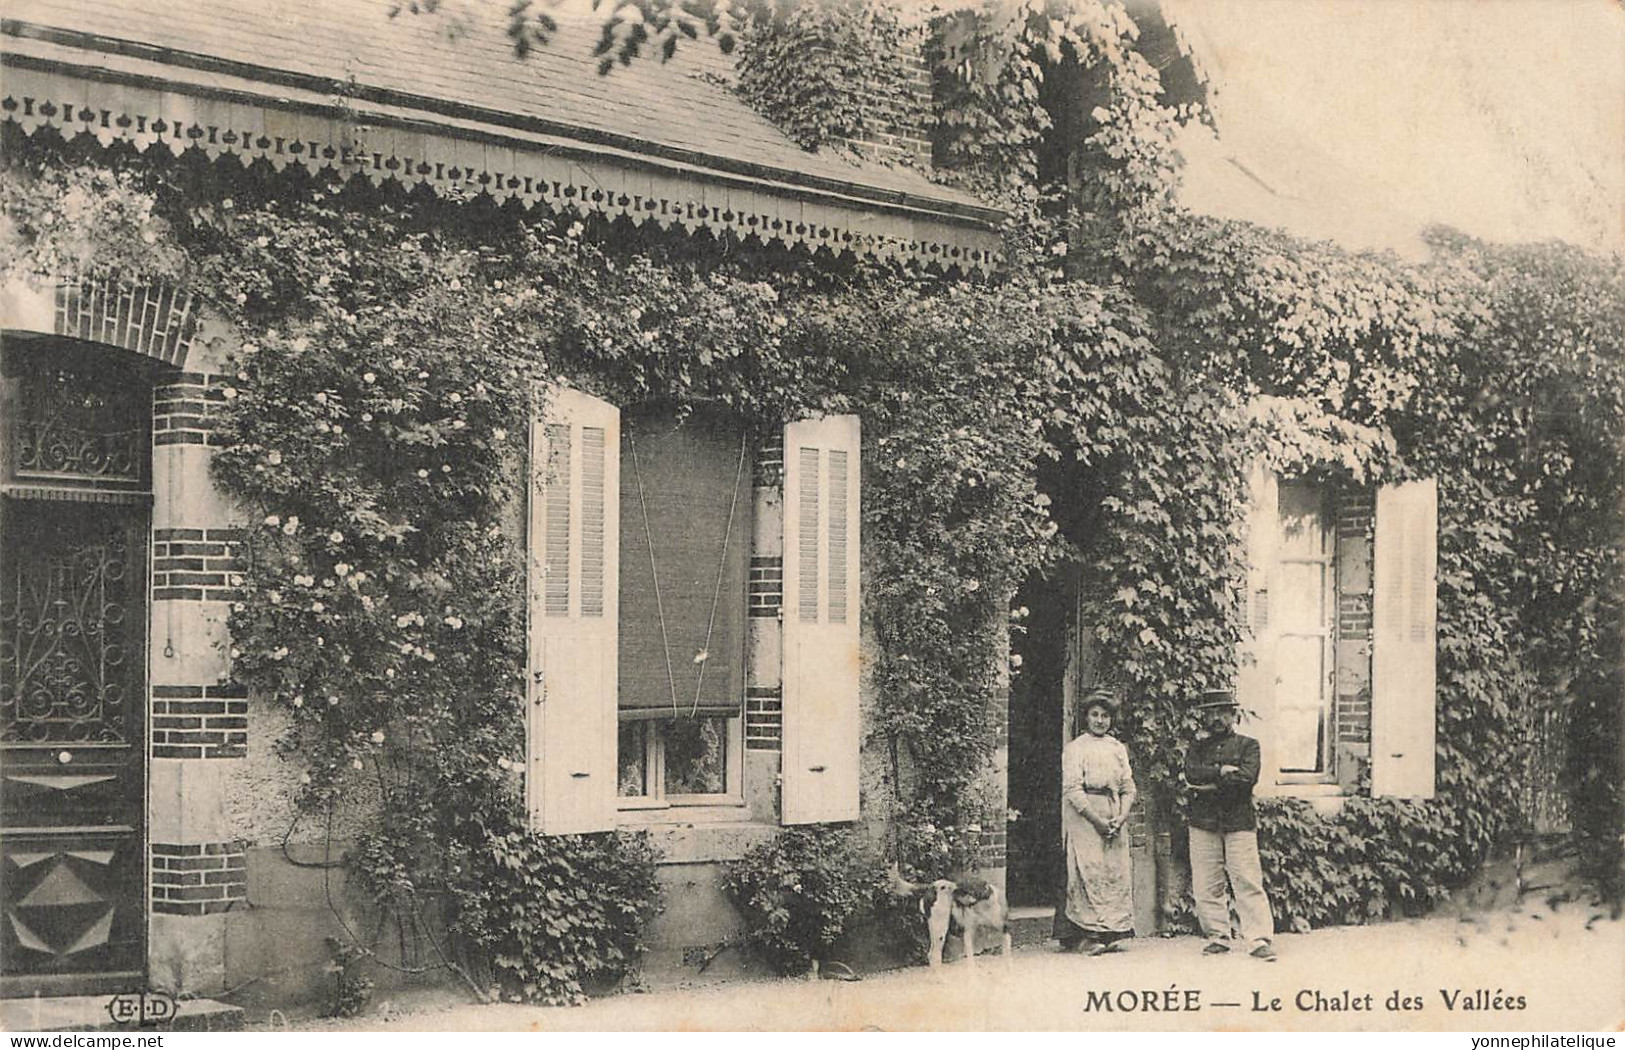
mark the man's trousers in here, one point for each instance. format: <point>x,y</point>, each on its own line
<point>1233,854</point>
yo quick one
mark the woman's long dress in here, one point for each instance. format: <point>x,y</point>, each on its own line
<point>1099,884</point>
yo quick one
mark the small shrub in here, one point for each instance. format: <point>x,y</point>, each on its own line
<point>557,916</point>
<point>351,990</point>
<point>798,893</point>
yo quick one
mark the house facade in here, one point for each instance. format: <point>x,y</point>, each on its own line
<point>699,656</point>
<point>696,644</point>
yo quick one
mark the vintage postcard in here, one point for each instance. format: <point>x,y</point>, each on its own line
<point>812,515</point>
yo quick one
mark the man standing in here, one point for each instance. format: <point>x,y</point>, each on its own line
<point>1221,768</point>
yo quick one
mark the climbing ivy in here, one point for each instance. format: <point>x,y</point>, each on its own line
<point>377,415</point>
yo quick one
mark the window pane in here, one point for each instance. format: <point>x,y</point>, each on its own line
<point>1300,707</point>
<point>1301,603</point>
<point>1303,520</point>
<point>696,752</point>
<point>633,759</point>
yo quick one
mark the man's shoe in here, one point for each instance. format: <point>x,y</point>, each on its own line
<point>1264,952</point>
<point>1215,948</point>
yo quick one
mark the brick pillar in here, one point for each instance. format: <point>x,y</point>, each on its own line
<point>764,639</point>
<point>1351,718</point>
<point>199,725</point>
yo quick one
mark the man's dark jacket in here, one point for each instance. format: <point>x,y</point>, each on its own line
<point>1222,803</point>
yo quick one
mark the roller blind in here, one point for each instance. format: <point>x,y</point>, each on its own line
<point>685,546</point>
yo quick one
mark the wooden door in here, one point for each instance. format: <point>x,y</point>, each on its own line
<point>74,526</point>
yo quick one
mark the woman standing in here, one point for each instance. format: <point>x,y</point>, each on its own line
<point>1097,790</point>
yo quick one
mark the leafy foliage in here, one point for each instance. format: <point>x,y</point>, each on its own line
<point>1140,355</point>
<point>817,69</point>
<point>556,917</point>
<point>798,892</point>
<point>351,989</point>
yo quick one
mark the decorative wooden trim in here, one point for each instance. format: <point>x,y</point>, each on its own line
<point>461,157</point>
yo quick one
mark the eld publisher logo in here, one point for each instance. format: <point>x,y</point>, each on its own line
<point>141,1008</point>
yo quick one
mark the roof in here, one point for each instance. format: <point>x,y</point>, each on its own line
<point>460,74</point>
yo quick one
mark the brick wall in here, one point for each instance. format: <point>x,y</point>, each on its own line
<point>185,410</point>
<point>1356,509</point>
<point>766,587</point>
<point>153,319</point>
<point>197,564</point>
<point>896,114</point>
<point>193,721</point>
<point>767,469</point>
<point>898,132</point>
<point>764,718</point>
<point>199,879</point>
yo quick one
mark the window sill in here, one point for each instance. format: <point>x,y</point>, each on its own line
<point>636,814</point>
<point>699,834</point>
<point>1312,789</point>
<point>1325,799</point>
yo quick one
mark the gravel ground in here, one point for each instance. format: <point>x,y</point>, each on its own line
<point>1523,970</point>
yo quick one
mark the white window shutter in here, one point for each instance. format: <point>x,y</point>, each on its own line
<point>1405,613</point>
<point>1255,676</point>
<point>821,518</point>
<point>573,588</point>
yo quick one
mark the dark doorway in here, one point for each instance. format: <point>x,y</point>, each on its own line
<point>74,527</point>
<point>1036,870</point>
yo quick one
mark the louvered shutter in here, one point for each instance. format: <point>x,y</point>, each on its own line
<point>1256,677</point>
<point>821,730</point>
<point>1404,610</point>
<point>574,538</point>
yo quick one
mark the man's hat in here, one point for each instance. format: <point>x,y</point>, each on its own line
<point>1213,698</point>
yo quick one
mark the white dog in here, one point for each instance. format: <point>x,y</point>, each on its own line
<point>958,906</point>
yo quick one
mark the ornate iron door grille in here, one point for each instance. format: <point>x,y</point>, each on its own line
<point>73,548</point>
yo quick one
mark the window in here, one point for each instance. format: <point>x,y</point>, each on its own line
<point>1336,671</point>
<point>677,762</point>
<point>1306,626</point>
<point>685,545</point>
<point>640,535</point>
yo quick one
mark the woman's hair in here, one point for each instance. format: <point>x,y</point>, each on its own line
<point>1100,697</point>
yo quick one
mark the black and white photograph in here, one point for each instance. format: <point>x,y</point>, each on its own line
<point>564,516</point>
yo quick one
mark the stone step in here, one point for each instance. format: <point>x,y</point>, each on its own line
<point>90,1013</point>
